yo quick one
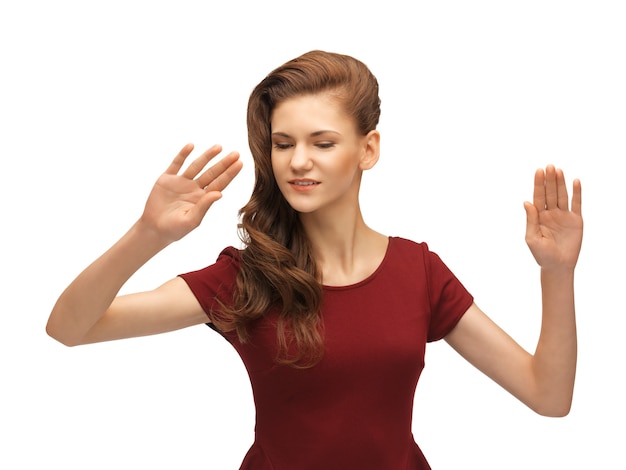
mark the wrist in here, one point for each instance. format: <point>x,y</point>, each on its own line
<point>559,274</point>
<point>147,236</point>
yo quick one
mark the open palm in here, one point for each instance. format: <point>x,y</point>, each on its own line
<point>554,230</point>
<point>178,202</point>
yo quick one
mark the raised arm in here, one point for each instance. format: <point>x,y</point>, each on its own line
<point>89,310</point>
<point>543,380</point>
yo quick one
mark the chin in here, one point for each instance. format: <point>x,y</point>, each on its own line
<point>303,208</point>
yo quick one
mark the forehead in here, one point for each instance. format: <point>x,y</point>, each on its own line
<point>310,110</point>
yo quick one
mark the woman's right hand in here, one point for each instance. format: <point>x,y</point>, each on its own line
<point>178,202</point>
<point>89,310</point>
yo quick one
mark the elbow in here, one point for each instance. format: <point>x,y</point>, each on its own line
<point>552,398</point>
<point>58,334</point>
<point>558,409</point>
<point>554,413</point>
<point>57,337</point>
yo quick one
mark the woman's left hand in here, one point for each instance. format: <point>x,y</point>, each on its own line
<point>554,230</point>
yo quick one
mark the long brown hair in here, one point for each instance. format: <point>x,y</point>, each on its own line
<point>277,267</point>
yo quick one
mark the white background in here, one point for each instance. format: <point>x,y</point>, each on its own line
<point>97,97</point>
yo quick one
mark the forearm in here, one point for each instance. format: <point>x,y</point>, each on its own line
<point>554,361</point>
<point>88,297</point>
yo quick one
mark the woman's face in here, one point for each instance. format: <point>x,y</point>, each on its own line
<point>317,154</point>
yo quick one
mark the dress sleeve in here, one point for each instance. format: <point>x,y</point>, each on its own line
<point>448,298</point>
<point>215,282</point>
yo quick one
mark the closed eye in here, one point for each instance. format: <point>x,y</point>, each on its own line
<point>282,146</point>
<point>325,145</point>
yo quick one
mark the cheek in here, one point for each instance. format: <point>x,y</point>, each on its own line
<point>346,166</point>
<point>278,171</point>
<point>274,165</point>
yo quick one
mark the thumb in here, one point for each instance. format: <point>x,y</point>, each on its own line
<point>205,203</point>
<point>532,221</point>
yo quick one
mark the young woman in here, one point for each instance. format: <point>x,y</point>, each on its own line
<point>330,317</point>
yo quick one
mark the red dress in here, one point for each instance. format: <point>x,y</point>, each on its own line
<point>353,410</point>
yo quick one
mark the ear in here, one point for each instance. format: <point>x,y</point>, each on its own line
<point>371,150</point>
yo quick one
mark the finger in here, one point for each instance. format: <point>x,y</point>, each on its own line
<point>221,174</point>
<point>539,192</point>
<point>214,190</point>
<point>199,210</point>
<point>577,198</point>
<point>199,163</point>
<point>551,188</point>
<point>179,159</point>
<point>561,189</point>
<point>532,221</point>
<point>222,181</point>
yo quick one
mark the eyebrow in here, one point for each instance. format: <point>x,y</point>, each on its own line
<point>313,134</point>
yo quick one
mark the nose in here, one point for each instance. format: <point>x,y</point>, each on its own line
<point>300,160</point>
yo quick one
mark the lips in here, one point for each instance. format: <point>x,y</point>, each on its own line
<point>306,182</point>
<point>303,184</point>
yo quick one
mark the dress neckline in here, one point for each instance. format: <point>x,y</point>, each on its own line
<point>367,279</point>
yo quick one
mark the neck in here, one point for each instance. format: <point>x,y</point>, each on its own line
<point>345,249</point>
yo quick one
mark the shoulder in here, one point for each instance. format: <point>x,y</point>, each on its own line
<point>412,254</point>
<point>403,246</point>
<point>448,299</point>
<point>217,281</point>
<point>224,269</point>
<point>230,255</point>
